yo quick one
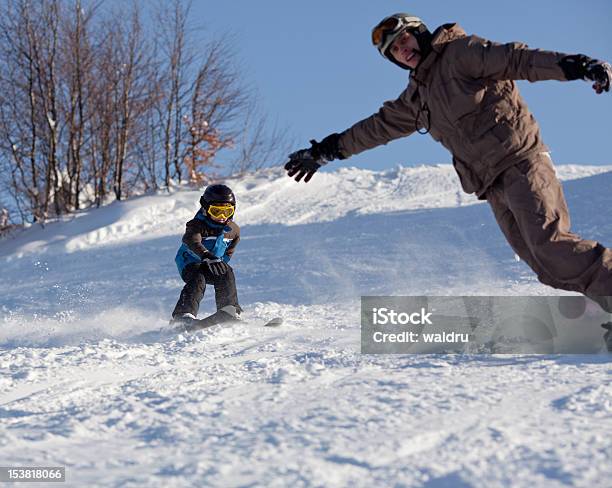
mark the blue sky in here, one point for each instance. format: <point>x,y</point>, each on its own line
<point>316,72</point>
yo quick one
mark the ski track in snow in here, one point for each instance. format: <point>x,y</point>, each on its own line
<point>92,379</point>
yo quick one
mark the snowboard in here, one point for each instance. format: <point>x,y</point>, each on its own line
<point>217,318</point>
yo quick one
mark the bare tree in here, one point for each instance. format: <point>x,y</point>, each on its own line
<point>78,58</point>
<point>128,65</point>
<point>26,108</point>
<point>172,29</point>
<point>217,99</point>
<point>97,105</point>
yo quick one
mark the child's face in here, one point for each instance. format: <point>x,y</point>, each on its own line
<point>219,220</point>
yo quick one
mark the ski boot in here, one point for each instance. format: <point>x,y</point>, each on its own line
<point>182,319</point>
<point>224,315</point>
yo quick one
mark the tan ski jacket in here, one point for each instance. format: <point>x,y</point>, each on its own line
<point>464,95</point>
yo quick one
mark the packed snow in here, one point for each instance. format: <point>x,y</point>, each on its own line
<point>93,378</point>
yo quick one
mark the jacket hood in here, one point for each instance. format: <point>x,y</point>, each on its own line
<point>441,37</point>
<point>445,34</point>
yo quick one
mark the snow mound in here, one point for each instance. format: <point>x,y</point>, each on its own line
<point>264,197</point>
<point>268,196</point>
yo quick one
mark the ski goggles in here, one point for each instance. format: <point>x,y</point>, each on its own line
<point>390,28</point>
<point>221,211</point>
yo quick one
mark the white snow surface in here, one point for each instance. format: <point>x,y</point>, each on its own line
<point>92,379</point>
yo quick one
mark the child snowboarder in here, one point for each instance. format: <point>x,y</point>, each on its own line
<point>208,244</point>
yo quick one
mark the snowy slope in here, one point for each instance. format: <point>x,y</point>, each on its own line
<point>91,382</point>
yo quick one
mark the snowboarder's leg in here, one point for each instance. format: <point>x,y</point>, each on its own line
<point>530,207</point>
<point>192,293</point>
<point>225,288</point>
<point>509,227</point>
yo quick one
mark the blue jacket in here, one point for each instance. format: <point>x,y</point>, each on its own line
<point>205,238</point>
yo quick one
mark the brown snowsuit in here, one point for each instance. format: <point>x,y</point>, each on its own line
<point>464,95</point>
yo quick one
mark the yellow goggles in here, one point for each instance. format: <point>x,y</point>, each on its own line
<point>221,211</point>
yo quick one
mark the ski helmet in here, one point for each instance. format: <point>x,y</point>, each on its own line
<point>217,195</point>
<point>391,27</point>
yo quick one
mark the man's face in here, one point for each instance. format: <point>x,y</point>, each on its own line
<point>405,50</point>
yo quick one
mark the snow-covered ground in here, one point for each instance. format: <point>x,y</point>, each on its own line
<point>91,381</point>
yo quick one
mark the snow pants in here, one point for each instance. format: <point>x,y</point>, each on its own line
<point>529,206</point>
<point>196,277</point>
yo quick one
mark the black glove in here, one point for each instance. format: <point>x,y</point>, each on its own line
<point>306,162</point>
<point>601,74</point>
<point>581,67</point>
<point>216,266</point>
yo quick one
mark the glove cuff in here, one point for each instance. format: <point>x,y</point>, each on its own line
<point>575,67</point>
<point>328,149</point>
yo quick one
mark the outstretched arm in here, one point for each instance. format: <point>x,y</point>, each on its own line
<point>480,58</point>
<point>395,119</point>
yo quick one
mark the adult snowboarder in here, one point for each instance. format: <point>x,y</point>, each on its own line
<point>208,244</point>
<point>461,91</point>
